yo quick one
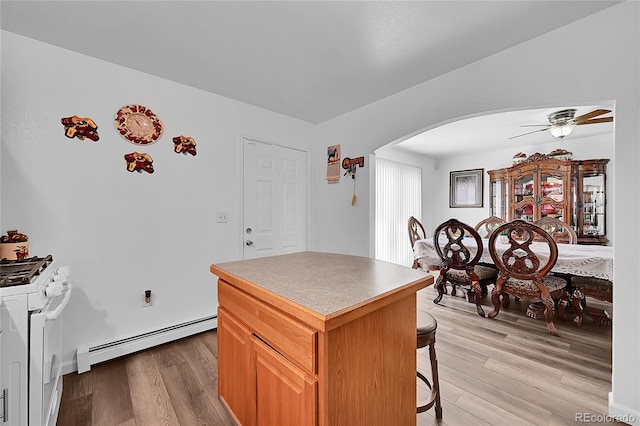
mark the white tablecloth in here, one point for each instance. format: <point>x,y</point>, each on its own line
<point>574,259</point>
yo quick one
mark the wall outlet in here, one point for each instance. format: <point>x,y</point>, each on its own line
<point>223,217</point>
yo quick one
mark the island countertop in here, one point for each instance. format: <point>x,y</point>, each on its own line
<point>327,284</point>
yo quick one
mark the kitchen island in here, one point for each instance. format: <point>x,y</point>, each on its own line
<point>318,339</point>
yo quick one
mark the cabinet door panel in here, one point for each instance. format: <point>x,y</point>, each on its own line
<point>524,196</point>
<point>234,367</point>
<point>285,394</point>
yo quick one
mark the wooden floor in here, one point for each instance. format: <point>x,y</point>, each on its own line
<point>506,371</point>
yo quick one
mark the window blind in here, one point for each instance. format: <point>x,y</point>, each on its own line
<point>398,196</point>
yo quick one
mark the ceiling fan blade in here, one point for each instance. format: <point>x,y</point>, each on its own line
<point>587,116</point>
<point>535,125</point>
<point>596,121</point>
<point>528,133</point>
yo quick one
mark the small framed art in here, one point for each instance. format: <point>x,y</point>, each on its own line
<point>466,188</point>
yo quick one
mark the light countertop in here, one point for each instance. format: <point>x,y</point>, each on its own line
<point>325,283</point>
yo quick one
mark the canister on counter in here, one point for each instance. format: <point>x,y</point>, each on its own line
<point>14,245</point>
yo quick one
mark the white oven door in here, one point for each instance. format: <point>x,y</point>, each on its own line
<point>45,354</point>
<point>3,394</point>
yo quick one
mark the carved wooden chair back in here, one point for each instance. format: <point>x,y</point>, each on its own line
<point>523,272</point>
<point>416,231</point>
<point>459,248</point>
<point>449,241</point>
<point>520,261</point>
<point>560,231</point>
<point>486,226</point>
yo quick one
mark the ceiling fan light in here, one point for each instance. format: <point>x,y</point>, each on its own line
<point>561,130</point>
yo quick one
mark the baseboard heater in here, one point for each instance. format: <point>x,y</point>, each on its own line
<point>87,356</point>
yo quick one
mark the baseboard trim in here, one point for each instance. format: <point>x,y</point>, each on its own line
<point>86,355</point>
<point>622,414</point>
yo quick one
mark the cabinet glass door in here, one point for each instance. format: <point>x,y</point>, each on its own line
<point>497,199</point>
<point>524,197</point>
<point>552,197</point>
<point>593,205</point>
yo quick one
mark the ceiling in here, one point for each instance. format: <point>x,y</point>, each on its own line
<point>311,60</point>
<point>493,132</point>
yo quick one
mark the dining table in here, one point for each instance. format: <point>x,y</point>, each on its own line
<point>573,259</point>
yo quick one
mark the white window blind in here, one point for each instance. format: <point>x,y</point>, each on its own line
<point>398,197</point>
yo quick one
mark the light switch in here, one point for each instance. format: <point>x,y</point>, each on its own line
<point>223,217</point>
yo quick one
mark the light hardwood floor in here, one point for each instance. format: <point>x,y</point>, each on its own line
<point>507,371</point>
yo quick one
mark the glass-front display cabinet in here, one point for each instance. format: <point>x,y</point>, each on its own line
<point>589,201</point>
<point>498,194</point>
<point>540,189</point>
<point>543,186</point>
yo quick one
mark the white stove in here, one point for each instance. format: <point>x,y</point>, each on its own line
<point>33,294</point>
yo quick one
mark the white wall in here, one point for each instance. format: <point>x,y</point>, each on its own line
<point>124,232</point>
<point>534,73</point>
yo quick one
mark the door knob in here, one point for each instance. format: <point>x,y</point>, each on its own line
<point>248,243</point>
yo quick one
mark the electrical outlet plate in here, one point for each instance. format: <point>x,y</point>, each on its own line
<point>150,303</point>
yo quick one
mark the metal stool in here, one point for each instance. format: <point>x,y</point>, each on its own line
<point>426,333</point>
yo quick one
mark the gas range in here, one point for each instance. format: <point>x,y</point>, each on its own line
<point>22,271</point>
<point>34,277</point>
<point>33,295</point>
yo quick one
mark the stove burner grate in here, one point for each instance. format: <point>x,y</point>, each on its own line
<point>22,271</point>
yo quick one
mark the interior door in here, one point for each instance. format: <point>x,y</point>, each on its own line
<point>275,199</point>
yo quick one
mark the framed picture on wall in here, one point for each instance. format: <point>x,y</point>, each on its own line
<point>466,188</point>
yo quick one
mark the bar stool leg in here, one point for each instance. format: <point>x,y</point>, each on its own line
<point>434,398</point>
<point>434,376</point>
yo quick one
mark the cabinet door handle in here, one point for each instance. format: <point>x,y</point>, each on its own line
<point>248,243</point>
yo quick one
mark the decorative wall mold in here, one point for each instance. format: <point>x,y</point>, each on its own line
<point>80,127</point>
<point>139,162</point>
<point>184,145</point>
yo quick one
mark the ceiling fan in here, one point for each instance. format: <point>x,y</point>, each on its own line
<point>562,122</point>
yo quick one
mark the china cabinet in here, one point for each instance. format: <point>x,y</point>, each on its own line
<point>589,201</point>
<point>573,191</point>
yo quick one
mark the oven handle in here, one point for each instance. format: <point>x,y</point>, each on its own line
<point>53,315</point>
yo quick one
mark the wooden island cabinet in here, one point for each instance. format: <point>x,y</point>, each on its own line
<point>318,339</point>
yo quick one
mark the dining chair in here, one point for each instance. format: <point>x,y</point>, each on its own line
<point>560,231</point>
<point>452,241</point>
<point>523,273</point>
<point>599,289</point>
<point>416,232</point>
<point>486,226</point>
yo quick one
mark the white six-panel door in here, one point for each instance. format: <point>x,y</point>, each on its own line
<point>275,200</point>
